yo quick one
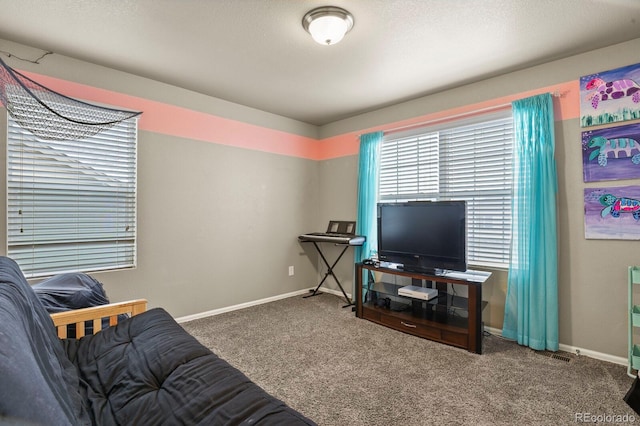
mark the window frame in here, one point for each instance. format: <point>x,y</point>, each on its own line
<point>105,169</point>
<point>483,229</point>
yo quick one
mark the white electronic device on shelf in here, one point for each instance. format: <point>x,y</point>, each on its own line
<point>416,292</point>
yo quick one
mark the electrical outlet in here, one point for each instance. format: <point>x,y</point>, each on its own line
<point>291,271</point>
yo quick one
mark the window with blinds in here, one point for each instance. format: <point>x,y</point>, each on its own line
<point>72,204</point>
<point>463,161</point>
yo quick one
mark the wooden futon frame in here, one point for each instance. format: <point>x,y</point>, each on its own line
<point>96,314</point>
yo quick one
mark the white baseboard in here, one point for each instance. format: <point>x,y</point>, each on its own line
<point>253,303</point>
<point>576,350</point>
<point>239,306</point>
<point>334,292</point>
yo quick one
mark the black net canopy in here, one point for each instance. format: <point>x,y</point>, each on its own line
<point>50,115</point>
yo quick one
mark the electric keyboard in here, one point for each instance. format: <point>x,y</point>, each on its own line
<point>331,237</point>
<point>339,232</point>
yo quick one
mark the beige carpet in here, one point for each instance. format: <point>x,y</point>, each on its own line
<point>340,370</point>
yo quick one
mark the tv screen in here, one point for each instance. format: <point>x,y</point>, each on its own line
<point>423,235</point>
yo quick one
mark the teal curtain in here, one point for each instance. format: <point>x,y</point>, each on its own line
<point>368,166</point>
<point>531,306</point>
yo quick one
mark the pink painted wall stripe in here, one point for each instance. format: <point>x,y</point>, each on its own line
<point>566,106</point>
<point>182,122</point>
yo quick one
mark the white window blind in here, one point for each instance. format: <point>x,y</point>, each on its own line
<point>409,168</point>
<point>72,204</point>
<point>469,162</point>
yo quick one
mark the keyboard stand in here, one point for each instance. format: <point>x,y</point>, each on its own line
<point>330,272</point>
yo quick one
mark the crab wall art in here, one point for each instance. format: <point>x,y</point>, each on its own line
<point>612,213</point>
<point>612,153</point>
<point>610,96</point>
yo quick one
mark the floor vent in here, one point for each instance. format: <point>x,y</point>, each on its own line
<point>562,356</point>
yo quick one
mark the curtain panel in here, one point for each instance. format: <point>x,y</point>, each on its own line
<point>368,169</point>
<point>531,306</point>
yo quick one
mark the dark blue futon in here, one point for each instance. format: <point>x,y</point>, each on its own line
<point>144,371</point>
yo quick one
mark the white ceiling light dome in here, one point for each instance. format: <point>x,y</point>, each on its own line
<point>328,24</point>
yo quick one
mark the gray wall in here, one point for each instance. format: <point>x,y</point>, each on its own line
<point>338,195</point>
<point>218,225</point>
<point>592,273</point>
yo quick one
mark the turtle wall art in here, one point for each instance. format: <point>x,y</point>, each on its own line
<point>612,153</point>
<point>612,213</point>
<point>610,96</point>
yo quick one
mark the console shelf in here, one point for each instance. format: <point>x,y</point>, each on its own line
<point>447,318</point>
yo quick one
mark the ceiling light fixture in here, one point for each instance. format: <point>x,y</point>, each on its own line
<point>328,24</point>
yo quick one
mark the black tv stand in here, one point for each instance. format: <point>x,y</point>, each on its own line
<point>447,318</point>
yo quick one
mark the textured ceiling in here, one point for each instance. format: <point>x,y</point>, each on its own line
<point>256,53</point>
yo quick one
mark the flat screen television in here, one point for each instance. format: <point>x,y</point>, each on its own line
<point>423,236</point>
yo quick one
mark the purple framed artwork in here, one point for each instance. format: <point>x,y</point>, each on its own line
<point>612,213</point>
<point>610,96</point>
<point>612,153</point>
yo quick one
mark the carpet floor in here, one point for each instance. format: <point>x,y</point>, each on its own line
<point>341,370</point>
